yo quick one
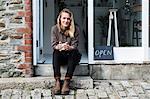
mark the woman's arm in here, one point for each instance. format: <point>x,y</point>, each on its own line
<point>54,38</point>
<point>56,44</point>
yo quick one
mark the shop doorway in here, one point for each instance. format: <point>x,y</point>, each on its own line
<point>49,10</point>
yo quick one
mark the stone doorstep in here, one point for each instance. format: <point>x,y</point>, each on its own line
<point>47,70</point>
<point>84,82</point>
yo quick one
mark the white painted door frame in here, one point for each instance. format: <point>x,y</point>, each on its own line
<point>35,9</point>
<point>145,30</point>
<point>90,31</point>
<point>40,41</point>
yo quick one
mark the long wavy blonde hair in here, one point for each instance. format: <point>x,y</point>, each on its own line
<point>71,29</point>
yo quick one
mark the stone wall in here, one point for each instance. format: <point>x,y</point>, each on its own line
<point>120,71</point>
<point>15,38</point>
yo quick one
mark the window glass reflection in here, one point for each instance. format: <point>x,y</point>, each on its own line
<point>127,31</point>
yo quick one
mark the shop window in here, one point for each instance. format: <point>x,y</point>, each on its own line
<point>128,29</point>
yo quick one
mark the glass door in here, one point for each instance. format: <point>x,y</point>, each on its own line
<point>51,9</point>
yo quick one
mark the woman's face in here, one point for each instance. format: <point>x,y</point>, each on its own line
<point>65,19</point>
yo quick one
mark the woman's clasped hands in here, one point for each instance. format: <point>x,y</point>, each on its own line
<point>63,46</point>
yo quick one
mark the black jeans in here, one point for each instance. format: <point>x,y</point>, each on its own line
<point>69,58</point>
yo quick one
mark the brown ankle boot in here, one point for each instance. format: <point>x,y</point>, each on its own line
<point>57,87</point>
<point>65,88</point>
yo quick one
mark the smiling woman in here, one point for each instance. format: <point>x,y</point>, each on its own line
<point>64,41</point>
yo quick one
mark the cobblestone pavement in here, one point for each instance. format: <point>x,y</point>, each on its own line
<point>103,89</point>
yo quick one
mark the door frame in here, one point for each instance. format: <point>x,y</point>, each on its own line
<point>37,6</point>
<point>35,9</point>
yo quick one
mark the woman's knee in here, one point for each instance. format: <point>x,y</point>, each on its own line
<point>76,55</point>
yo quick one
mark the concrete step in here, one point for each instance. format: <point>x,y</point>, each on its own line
<point>47,70</point>
<point>84,82</point>
<point>138,71</point>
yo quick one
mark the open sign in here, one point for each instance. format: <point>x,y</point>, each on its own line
<point>103,53</point>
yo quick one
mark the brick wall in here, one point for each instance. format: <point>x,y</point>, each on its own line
<point>15,38</point>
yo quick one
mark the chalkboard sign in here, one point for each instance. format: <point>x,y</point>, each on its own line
<point>103,53</point>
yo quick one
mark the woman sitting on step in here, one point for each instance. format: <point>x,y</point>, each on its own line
<point>65,39</point>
